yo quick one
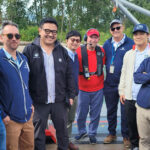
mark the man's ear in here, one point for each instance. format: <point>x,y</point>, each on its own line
<point>1,38</point>
<point>39,29</point>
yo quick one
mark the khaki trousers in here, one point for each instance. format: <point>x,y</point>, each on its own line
<point>20,136</point>
<point>143,123</point>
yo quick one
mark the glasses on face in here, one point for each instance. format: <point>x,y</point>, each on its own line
<point>48,31</point>
<point>10,36</point>
<point>73,40</point>
<point>117,28</point>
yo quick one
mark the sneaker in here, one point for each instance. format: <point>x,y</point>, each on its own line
<point>126,142</point>
<point>81,136</point>
<point>92,140</point>
<point>109,139</point>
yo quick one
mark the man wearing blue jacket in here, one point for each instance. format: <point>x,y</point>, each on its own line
<point>15,100</point>
<point>115,49</point>
<point>2,134</point>
<point>142,76</point>
<point>73,40</point>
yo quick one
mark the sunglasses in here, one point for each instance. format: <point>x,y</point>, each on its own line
<point>73,40</point>
<point>10,36</point>
<point>117,28</point>
<point>48,31</point>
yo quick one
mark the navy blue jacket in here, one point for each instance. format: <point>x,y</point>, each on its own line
<point>112,79</point>
<point>75,70</point>
<point>142,76</point>
<point>15,100</point>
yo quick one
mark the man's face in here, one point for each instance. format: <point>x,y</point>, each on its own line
<point>73,42</point>
<point>117,30</point>
<point>10,37</point>
<point>48,33</point>
<point>140,38</point>
<point>92,40</point>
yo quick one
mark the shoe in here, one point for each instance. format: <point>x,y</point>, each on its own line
<point>72,146</point>
<point>126,143</point>
<point>92,140</point>
<point>81,136</point>
<point>109,139</point>
<point>135,148</point>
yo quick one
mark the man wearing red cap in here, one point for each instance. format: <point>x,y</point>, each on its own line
<point>91,59</point>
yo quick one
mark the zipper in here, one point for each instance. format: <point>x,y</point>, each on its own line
<point>22,83</point>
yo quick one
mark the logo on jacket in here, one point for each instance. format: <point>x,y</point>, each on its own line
<point>26,66</point>
<point>122,49</point>
<point>60,60</point>
<point>36,55</point>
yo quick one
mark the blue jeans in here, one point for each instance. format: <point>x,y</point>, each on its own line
<point>89,102</point>
<point>2,135</point>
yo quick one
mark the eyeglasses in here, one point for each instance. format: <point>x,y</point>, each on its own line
<point>48,31</point>
<point>73,40</point>
<point>10,36</point>
<point>117,28</point>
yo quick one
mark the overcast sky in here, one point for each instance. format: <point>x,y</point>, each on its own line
<point>30,3</point>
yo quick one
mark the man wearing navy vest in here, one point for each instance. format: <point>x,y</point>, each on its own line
<point>115,48</point>
<point>73,40</point>
<point>91,59</point>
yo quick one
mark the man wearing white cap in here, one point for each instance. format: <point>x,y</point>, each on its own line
<point>115,49</point>
<point>91,59</point>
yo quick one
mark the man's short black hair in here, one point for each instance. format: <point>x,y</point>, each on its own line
<point>48,20</point>
<point>73,33</point>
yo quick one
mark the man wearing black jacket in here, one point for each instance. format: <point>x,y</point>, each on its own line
<point>50,80</point>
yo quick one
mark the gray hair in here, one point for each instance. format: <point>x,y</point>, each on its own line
<point>7,22</point>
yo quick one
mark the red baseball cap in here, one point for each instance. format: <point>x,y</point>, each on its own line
<point>92,32</point>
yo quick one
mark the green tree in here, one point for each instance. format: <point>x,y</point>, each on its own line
<point>16,11</point>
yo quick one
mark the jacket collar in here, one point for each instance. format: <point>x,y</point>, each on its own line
<point>3,55</point>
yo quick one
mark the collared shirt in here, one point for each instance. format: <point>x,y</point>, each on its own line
<point>17,61</point>
<point>117,44</point>
<point>50,75</point>
<point>71,54</point>
<point>140,56</point>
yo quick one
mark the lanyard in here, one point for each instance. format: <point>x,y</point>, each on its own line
<point>113,54</point>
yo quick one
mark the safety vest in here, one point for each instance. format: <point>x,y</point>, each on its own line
<point>99,56</point>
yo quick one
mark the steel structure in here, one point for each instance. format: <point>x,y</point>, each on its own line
<point>122,4</point>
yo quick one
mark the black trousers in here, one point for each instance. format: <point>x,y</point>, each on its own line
<point>58,112</point>
<point>130,111</point>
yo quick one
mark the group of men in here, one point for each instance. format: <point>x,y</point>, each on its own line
<point>49,79</point>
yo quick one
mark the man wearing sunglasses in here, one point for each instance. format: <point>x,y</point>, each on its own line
<point>73,40</point>
<point>15,101</point>
<point>115,48</point>
<point>50,82</point>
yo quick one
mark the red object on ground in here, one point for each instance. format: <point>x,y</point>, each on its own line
<point>51,132</point>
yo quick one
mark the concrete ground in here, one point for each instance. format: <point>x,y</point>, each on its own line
<point>92,147</point>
